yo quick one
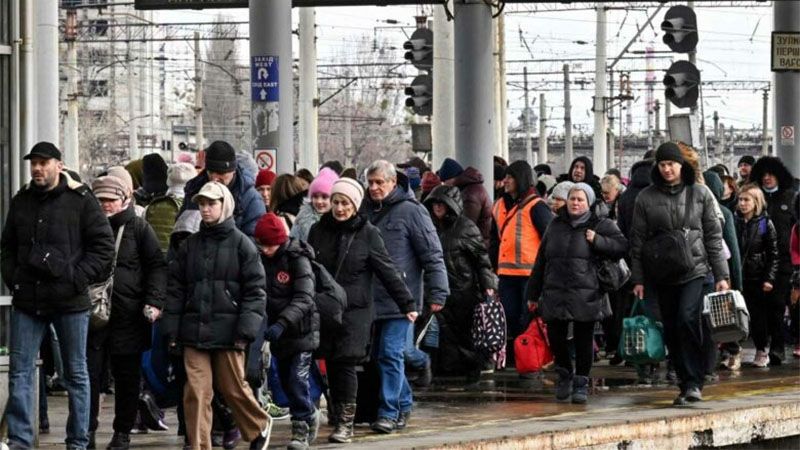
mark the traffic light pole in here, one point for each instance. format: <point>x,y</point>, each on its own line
<point>599,137</point>
<point>542,130</point>
<point>272,108</point>
<point>786,17</point>
<point>474,88</point>
<point>443,134</point>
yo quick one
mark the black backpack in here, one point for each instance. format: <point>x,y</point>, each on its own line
<point>331,299</point>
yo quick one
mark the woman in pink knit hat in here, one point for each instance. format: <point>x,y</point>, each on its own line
<point>319,194</point>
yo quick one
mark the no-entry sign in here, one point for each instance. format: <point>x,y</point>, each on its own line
<point>266,158</point>
<point>787,135</point>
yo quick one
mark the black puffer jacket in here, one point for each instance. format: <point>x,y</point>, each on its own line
<point>758,242</point>
<point>469,272</point>
<point>140,278</point>
<point>54,244</point>
<point>215,294</point>
<point>660,208</point>
<point>565,273</point>
<point>779,205</point>
<point>365,257</point>
<point>640,179</point>
<point>290,298</point>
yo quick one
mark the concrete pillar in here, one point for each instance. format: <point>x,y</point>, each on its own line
<point>309,97</point>
<point>443,135</point>
<point>599,137</point>
<point>786,17</point>
<point>46,55</point>
<point>474,87</point>
<point>272,110</point>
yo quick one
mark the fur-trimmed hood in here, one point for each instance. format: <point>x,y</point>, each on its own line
<point>773,165</point>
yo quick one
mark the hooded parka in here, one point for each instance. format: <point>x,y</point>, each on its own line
<point>660,208</point>
<point>469,274</point>
<point>215,294</point>
<point>779,205</point>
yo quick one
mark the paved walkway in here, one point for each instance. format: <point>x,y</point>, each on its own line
<point>508,412</point>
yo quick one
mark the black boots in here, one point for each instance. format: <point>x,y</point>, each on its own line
<point>343,432</point>
<point>120,441</point>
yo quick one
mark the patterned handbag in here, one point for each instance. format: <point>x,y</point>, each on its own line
<point>489,330</point>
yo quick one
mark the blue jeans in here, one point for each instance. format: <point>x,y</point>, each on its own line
<point>26,337</point>
<point>414,357</point>
<point>395,396</point>
<point>294,372</point>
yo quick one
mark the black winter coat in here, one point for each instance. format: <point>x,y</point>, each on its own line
<point>55,244</point>
<point>779,205</point>
<point>215,294</point>
<point>365,257</point>
<point>758,243</point>
<point>476,201</point>
<point>660,208</point>
<point>290,298</point>
<point>140,278</point>
<point>565,273</point>
<point>640,179</point>
<point>469,272</point>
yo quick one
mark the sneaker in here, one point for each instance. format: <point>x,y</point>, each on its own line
<point>277,412</point>
<point>138,426</point>
<point>383,425</point>
<point>231,438</point>
<point>261,442</point>
<point>402,421</point>
<point>680,400</point>
<point>693,395</point>
<point>734,362</point>
<point>761,360</point>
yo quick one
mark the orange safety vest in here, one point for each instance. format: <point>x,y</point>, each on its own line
<point>519,238</point>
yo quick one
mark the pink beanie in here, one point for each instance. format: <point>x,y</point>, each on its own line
<point>323,183</point>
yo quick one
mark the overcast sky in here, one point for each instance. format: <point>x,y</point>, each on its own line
<point>734,45</point>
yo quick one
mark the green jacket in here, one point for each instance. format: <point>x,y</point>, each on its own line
<point>161,214</point>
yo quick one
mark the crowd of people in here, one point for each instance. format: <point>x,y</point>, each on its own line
<point>258,289</point>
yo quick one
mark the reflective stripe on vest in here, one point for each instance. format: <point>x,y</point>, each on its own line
<point>517,253</point>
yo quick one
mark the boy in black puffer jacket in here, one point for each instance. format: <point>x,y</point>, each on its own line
<point>293,320</point>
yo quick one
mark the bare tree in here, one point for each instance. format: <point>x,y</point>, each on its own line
<point>373,103</point>
<point>223,94</point>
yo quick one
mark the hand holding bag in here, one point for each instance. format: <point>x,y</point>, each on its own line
<point>642,339</point>
<point>100,293</point>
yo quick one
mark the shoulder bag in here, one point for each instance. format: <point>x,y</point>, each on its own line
<point>667,256</point>
<point>100,293</point>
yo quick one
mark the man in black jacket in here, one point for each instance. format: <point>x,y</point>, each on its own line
<point>55,243</point>
<point>776,181</point>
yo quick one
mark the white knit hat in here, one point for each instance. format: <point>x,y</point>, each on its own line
<point>350,188</point>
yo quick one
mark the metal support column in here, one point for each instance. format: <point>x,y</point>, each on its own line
<point>46,54</point>
<point>786,17</point>
<point>474,87</point>
<point>600,123</point>
<point>308,103</point>
<point>443,134</point>
<point>272,110</point>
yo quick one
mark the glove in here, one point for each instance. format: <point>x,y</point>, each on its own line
<point>274,332</point>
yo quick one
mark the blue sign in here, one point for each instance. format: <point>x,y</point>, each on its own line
<point>264,78</point>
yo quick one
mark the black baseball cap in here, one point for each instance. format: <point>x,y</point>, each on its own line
<point>44,150</point>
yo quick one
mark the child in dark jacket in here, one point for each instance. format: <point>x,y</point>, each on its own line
<point>758,242</point>
<point>292,319</point>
